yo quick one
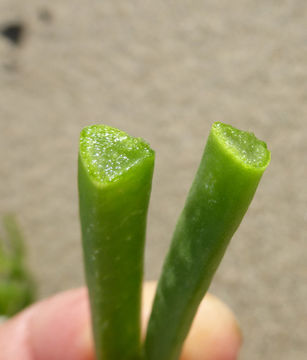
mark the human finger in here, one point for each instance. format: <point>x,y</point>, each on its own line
<point>214,335</point>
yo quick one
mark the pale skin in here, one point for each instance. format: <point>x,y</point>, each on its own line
<point>59,329</point>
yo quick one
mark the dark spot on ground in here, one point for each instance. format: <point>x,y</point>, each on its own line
<point>13,32</point>
<point>10,67</point>
<point>45,15</point>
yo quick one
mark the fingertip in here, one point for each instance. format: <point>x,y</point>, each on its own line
<point>14,338</point>
<point>55,329</point>
<point>215,333</point>
<point>60,327</point>
<point>149,290</point>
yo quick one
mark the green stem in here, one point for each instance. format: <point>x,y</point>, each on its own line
<point>230,170</point>
<point>17,288</point>
<point>15,237</point>
<point>115,175</point>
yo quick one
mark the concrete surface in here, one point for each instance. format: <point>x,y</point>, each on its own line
<point>163,70</point>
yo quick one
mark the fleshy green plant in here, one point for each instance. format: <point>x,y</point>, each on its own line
<point>115,174</point>
<point>17,288</point>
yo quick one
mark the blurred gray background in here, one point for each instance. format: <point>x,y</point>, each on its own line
<point>163,70</point>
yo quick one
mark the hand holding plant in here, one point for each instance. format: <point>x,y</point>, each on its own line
<point>115,174</point>
<point>59,328</point>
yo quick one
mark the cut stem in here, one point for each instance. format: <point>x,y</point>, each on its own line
<point>115,175</point>
<point>230,170</point>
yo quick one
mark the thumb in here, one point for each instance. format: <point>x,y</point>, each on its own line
<point>54,329</point>
<point>214,335</point>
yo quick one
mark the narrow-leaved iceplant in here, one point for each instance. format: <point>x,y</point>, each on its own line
<point>115,174</point>
<point>227,178</point>
<point>17,288</point>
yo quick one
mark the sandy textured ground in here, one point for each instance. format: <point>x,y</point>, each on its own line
<point>163,70</point>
